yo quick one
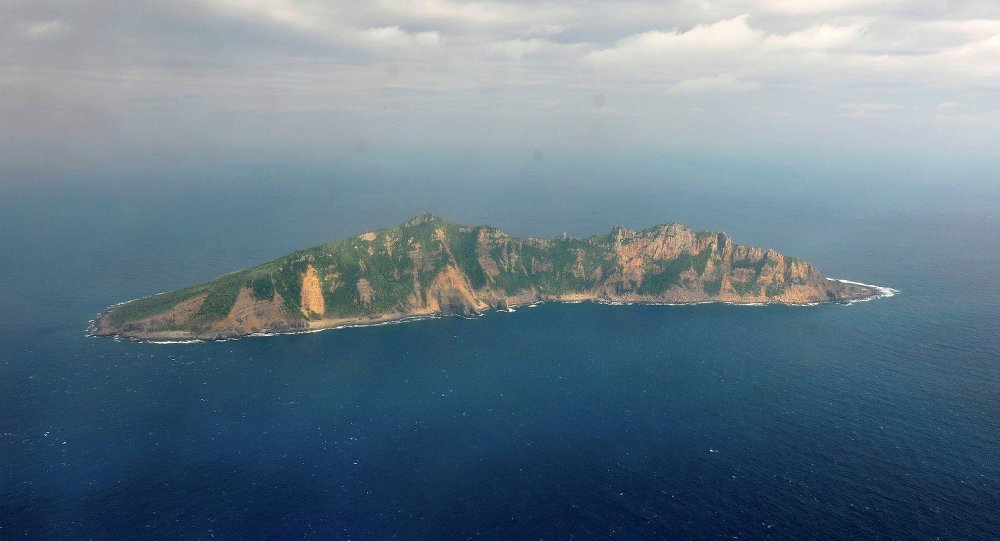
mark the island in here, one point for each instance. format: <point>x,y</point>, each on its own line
<point>429,266</point>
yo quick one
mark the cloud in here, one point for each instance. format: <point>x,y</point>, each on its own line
<point>393,36</point>
<point>804,7</point>
<point>477,13</point>
<point>722,36</point>
<point>547,29</point>
<point>517,48</point>
<point>728,35</point>
<point>285,12</point>
<point>44,28</point>
<point>723,83</point>
<point>147,70</point>
<point>951,111</point>
<point>867,110</point>
<point>477,18</point>
<point>819,37</point>
<point>980,58</point>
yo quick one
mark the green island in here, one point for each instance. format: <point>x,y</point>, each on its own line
<point>429,266</point>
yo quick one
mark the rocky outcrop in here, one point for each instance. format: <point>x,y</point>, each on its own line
<point>429,265</point>
<point>451,293</point>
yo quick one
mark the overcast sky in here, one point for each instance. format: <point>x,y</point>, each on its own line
<point>83,82</point>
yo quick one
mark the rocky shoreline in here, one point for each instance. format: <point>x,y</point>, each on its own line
<point>429,267</point>
<point>852,292</point>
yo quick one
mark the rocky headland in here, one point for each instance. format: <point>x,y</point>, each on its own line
<point>429,266</point>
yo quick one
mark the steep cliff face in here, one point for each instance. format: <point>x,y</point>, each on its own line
<point>429,265</point>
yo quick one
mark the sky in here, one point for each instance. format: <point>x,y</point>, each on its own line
<point>86,83</point>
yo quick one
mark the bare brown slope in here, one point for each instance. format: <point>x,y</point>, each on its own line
<point>429,266</point>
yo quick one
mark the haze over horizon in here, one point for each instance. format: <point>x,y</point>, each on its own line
<point>215,148</point>
<point>90,84</point>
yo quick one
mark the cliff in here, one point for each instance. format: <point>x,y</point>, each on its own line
<point>431,266</point>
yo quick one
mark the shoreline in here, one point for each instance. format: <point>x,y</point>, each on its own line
<point>883,292</point>
<point>879,292</point>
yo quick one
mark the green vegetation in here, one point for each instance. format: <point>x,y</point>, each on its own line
<point>401,263</point>
<point>746,288</point>
<point>656,283</point>
<point>774,289</point>
<point>462,242</point>
<point>220,299</point>
<point>721,242</point>
<point>712,287</point>
<point>149,306</point>
<point>262,288</point>
<point>701,260</point>
<point>288,281</point>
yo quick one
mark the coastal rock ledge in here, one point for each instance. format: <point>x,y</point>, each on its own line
<point>429,266</point>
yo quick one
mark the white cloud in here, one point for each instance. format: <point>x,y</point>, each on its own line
<point>721,36</point>
<point>735,47</point>
<point>43,29</point>
<point>543,50</point>
<point>468,13</point>
<point>480,16</point>
<point>867,110</point>
<point>286,12</point>
<point>819,37</point>
<point>393,36</point>
<point>813,7</point>
<point>981,58</point>
<point>723,83</point>
<point>961,28</point>
<point>951,111</point>
<point>502,61</point>
<point>517,48</point>
<point>547,29</point>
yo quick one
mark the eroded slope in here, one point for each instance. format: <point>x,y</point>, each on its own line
<point>429,265</point>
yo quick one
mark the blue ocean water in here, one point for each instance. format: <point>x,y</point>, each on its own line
<point>876,420</point>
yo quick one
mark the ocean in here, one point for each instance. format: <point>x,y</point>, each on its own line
<point>583,421</point>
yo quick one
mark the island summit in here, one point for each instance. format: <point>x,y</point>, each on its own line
<point>429,266</point>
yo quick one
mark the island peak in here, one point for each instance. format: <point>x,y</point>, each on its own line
<point>412,270</point>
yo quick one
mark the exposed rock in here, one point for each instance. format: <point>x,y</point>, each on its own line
<point>250,315</point>
<point>364,292</point>
<point>311,301</point>
<point>431,266</point>
<point>451,293</point>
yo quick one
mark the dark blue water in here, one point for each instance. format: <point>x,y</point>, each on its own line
<point>561,421</point>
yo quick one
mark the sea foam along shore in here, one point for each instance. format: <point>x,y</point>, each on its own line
<point>883,291</point>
